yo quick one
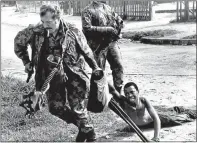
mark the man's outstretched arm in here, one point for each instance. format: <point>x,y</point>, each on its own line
<point>156,119</point>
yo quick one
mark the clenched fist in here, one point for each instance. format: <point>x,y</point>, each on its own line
<point>29,68</point>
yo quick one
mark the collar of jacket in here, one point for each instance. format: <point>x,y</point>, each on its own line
<point>62,28</point>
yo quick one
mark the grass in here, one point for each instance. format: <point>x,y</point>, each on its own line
<point>136,36</point>
<point>190,37</point>
<point>44,126</point>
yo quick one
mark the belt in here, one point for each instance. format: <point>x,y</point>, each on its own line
<point>55,50</point>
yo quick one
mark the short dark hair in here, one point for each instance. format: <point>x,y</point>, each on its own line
<point>131,84</point>
<point>102,1</point>
<point>50,8</point>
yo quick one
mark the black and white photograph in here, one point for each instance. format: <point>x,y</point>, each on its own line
<point>98,71</point>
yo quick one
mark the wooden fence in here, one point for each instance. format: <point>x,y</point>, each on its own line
<point>186,10</point>
<point>128,9</point>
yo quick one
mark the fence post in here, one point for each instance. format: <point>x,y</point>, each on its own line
<point>35,5</point>
<point>186,10</point>
<point>180,10</point>
<point>177,11</point>
<point>150,10</point>
<point>193,10</point>
<point>124,10</point>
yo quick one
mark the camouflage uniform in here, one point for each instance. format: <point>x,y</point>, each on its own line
<point>103,44</point>
<point>76,89</point>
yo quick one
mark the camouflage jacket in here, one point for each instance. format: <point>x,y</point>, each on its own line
<point>99,14</point>
<point>76,53</point>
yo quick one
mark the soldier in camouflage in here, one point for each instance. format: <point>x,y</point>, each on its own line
<point>102,27</point>
<point>65,99</point>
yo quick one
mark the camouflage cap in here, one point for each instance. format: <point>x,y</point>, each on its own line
<point>55,9</point>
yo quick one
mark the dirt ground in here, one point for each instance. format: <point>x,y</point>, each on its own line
<point>166,75</point>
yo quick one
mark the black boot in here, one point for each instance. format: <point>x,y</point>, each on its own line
<point>91,136</point>
<point>81,137</point>
<point>88,137</point>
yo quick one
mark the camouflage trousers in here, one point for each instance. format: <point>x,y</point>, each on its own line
<point>66,100</point>
<point>112,54</point>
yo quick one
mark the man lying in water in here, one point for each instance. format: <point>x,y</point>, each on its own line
<point>144,114</point>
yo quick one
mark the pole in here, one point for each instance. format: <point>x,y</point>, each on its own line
<point>117,109</point>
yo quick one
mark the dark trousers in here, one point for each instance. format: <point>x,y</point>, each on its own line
<point>112,54</point>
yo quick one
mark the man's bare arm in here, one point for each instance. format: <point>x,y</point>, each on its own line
<point>155,117</point>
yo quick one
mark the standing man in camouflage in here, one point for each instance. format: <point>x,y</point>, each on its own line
<point>102,27</point>
<point>47,39</point>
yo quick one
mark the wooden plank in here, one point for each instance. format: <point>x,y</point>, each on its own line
<point>143,10</point>
<point>118,6</point>
<point>124,8</point>
<point>141,7</point>
<point>146,10</point>
<point>128,9</point>
<point>141,14</point>
<point>150,10</point>
<point>186,10</point>
<point>177,11</point>
<point>135,9</point>
<point>132,8</point>
<point>193,9</point>
<point>138,10</point>
<point>180,10</point>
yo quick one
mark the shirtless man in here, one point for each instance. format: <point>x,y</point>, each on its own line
<point>140,110</point>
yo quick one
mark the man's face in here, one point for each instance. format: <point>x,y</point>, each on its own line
<point>49,23</point>
<point>131,93</point>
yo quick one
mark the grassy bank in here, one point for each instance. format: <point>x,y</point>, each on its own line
<point>44,126</point>
<point>136,36</point>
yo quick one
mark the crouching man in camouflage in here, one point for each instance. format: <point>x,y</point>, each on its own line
<point>47,39</point>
